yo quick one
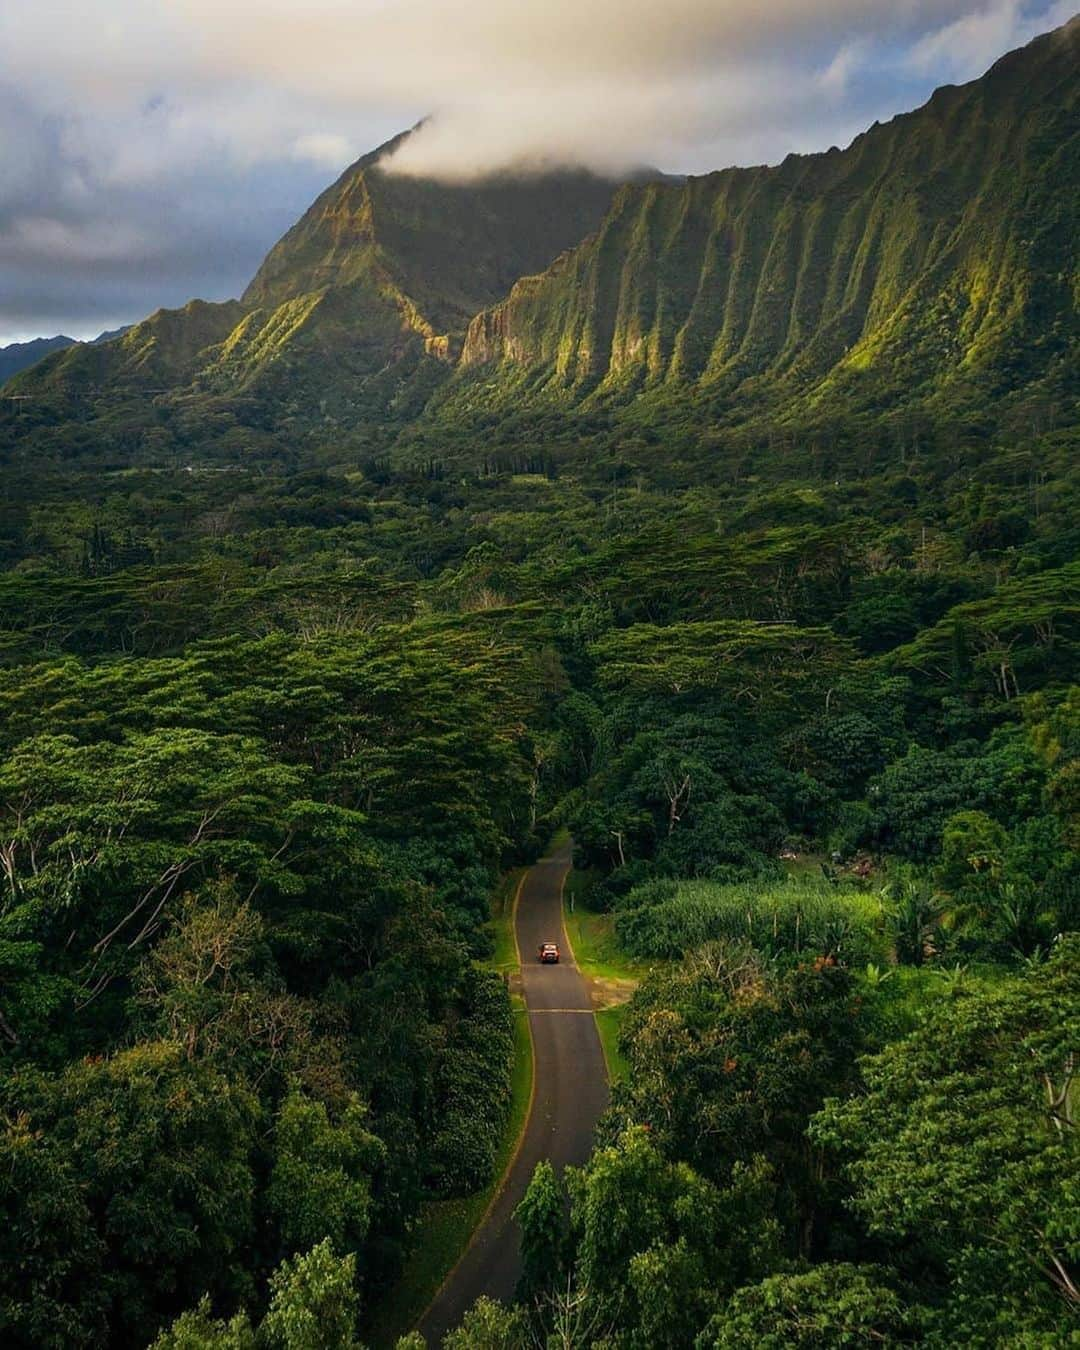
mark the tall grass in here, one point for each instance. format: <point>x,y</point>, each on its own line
<point>798,916</point>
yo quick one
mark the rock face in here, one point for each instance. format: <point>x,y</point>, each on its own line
<point>442,250</point>
<point>939,248</point>
<point>934,259</point>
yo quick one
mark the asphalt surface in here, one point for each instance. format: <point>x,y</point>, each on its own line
<point>571,1091</point>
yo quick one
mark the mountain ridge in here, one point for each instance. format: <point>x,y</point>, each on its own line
<point>18,356</point>
<point>379,276</point>
<point>931,262</point>
<point>689,286</point>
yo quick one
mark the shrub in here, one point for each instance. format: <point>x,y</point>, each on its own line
<point>474,1086</point>
<point>791,918</point>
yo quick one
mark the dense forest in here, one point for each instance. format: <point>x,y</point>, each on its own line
<point>279,710</point>
<point>269,736</point>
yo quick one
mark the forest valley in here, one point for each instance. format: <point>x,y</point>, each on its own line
<point>742,545</point>
<point>269,737</point>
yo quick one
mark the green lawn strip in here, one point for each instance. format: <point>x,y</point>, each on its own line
<point>501,924</point>
<point>596,949</point>
<point>608,1024</point>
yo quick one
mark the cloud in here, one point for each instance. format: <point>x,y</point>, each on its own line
<point>835,79</point>
<point>323,148</point>
<point>40,238</point>
<point>687,84</point>
<point>966,46</point>
<point>154,149</point>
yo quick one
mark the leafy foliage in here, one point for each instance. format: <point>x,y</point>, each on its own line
<point>964,1148</point>
<point>831,1305</point>
<point>798,918</point>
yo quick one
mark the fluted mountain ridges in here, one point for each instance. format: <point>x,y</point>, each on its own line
<point>934,258</point>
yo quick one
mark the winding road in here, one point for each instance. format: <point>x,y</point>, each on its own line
<point>570,1091</point>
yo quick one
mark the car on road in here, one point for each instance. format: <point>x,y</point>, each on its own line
<point>548,954</point>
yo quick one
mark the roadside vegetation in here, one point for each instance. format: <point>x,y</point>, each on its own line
<point>500,927</point>
<point>609,1022</point>
<point>597,949</point>
<point>443,1228</point>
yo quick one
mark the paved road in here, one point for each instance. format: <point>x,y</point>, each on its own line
<point>571,1092</point>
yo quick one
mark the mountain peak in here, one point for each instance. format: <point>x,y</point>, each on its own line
<point>933,259</point>
<point>450,248</point>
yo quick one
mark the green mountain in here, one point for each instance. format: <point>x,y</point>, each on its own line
<point>18,356</point>
<point>937,256</point>
<point>381,276</point>
<point>931,265</point>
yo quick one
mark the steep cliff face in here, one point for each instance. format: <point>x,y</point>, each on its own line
<point>376,281</point>
<point>935,258</point>
<point>450,249</point>
<point>384,271</point>
<point>942,245</point>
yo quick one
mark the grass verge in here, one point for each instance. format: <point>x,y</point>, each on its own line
<point>596,948</point>
<point>503,958</point>
<point>444,1227</point>
<point>612,973</point>
<point>608,1024</point>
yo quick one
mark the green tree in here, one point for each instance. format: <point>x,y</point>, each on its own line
<point>964,1147</point>
<point>155,1157</point>
<point>731,1055</point>
<point>489,1326</point>
<point>657,1245</point>
<point>829,1307</point>
<point>313,1303</point>
<point>915,912</point>
<point>321,1182</point>
<point>542,1215</point>
<point>109,835</point>
<point>199,1329</point>
<point>53,1291</point>
<point>313,1306</point>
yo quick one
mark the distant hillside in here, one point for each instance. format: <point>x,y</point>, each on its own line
<point>931,266</point>
<point>21,355</point>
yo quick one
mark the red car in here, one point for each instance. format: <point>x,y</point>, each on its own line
<point>548,954</point>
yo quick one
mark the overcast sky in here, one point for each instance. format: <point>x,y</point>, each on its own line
<point>152,150</point>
